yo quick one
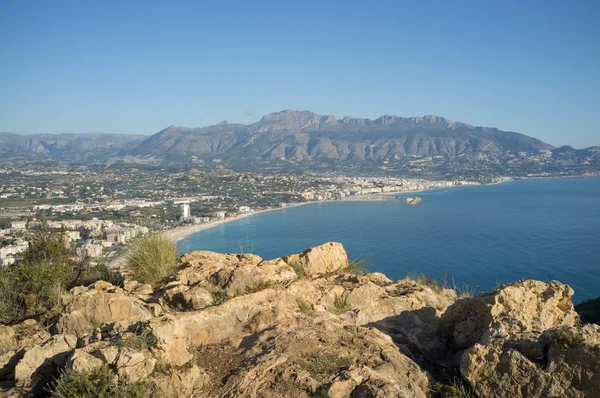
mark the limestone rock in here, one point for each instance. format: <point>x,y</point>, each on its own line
<point>100,303</point>
<point>321,355</point>
<point>36,362</point>
<point>133,366</point>
<point>538,305</point>
<point>7,338</point>
<point>81,361</point>
<point>499,368</point>
<point>176,383</point>
<point>321,260</point>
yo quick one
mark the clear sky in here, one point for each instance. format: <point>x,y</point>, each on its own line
<point>140,66</point>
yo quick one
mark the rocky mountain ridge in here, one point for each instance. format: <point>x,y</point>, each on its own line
<point>305,325</point>
<point>306,135</point>
<point>289,134</point>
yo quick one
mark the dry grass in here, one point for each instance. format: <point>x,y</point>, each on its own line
<point>341,304</point>
<point>152,258</point>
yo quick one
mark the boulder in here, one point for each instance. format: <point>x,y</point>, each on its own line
<point>81,361</point>
<point>321,260</point>
<point>538,305</point>
<point>133,366</point>
<point>7,338</point>
<point>98,304</point>
<point>40,361</point>
<point>499,366</point>
<point>178,382</point>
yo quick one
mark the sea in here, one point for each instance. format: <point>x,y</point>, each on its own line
<point>479,236</point>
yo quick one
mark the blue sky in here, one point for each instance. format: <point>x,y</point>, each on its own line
<point>139,66</point>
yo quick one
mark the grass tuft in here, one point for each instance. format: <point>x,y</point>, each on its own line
<point>325,364</point>
<point>456,390</point>
<point>100,383</point>
<point>341,304</point>
<point>359,267</point>
<point>303,305</point>
<point>298,268</point>
<point>152,258</point>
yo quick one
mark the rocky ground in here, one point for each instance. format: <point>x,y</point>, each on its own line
<point>305,325</point>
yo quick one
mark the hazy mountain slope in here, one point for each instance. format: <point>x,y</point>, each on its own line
<point>65,147</point>
<point>303,134</point>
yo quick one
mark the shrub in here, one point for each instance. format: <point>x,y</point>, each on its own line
<point>99,383</point>
<point>564,338</point>
<point>341,304</point>
<point>456,390</point>
<point>298,268</point>
<point>141,340</point>
<point>359,267</point>
<point>101,272</point>
<point>33,284</point>
<point>258,286</point>
<point>152,258</point>
<point>426,281</point>
<point>11,305</point>
<point>324,364</point>
<point>219,296</point>
<point>589,311</point>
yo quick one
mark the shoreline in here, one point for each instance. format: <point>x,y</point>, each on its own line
<point>180,233</point>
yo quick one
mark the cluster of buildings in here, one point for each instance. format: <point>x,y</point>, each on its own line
<point>89,238</point>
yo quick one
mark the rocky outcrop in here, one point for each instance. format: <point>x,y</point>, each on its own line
<point>536,305</point>
<point>101,303</point>
<point>236,325</point>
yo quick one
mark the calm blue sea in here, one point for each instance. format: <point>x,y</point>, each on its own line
<point>542,229</point>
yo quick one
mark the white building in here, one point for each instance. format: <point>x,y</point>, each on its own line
<point>244,209</point>
<point>18,225</point>
<point>220,215</point>
<point>185,211</point>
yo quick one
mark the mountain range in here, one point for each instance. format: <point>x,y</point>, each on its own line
<point>282,135</point>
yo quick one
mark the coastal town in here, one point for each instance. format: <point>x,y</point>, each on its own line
<point>100,213</point>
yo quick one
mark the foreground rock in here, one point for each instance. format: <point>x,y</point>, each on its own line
<point>230,325</point>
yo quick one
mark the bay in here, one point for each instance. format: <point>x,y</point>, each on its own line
<point>481,236</point>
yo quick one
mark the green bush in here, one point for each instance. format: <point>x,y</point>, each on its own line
<point>589,311</point>
<point>99,383</point>
<point>100,272</point>
<point>564,338</point>
<point>33,284</point>
<point>11,305</point>
<point>152,258</point>
<point>455,390</point>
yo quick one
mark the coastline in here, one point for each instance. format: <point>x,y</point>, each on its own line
<point>179,233</point>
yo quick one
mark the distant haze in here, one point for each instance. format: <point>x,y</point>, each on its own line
<point>134,67</point>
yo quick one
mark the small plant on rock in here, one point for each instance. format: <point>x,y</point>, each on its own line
<point>298,268</point>
<point>325,364</point>
<point>341,304</point>
<point>258,286</point>
<point>100,383</point>
<point>359,267</point>
<point>456,390</point>
<point>564,338</point>
<point>303,305</point>
<point>219,296</point>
